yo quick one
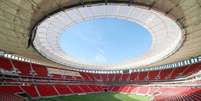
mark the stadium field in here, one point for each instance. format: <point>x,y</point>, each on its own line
<point>99,97</point>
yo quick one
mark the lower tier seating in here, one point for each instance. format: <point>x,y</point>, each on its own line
<point>46,90</point>
<point>9,93</point>
<point>63,89</point>
<point>30,90</point>
<point>162,94</point>
<point>10,97</point>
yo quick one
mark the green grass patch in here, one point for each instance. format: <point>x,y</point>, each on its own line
<point>98,97</point>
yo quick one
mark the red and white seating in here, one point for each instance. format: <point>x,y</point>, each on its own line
<point>30,69</point>
<point>45,89</point>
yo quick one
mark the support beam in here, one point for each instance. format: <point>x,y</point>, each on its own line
<point>130,2</point>
<point>152,5</point>
<point>82,3</point>
<point>106,2</point>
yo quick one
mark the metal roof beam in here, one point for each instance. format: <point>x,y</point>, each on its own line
<point>106,2</point>
<point>82,3</point>
<point>130,2</point>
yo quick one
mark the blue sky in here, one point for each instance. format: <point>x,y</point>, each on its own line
<point>105,41</point>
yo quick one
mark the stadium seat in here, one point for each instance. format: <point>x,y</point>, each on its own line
<point>5,64</point>
<point>10,89</point>
<point>152,75</point>
<point>4,96</point>
<point>63,89</point>
<point>30,90</point>
<point>134,76</point>
<point>40,70</point>
<point>76,88</point>
<point>23,67</point>
<point>46,90</point>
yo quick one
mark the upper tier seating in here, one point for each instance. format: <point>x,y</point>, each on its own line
<point>23,67</point>
<point>192,69</point>
<point>111,77</point>
<point>85,76</point>
<point>125,77</point>
<point>177,72</point>
<point>30,69</point>
<point>40,70</point>
<point>5,64</point>
<point>153,75</point>
<point>56,76</point>
<point>118,77</point>
<point>133,76</point>
<point>142,76</point>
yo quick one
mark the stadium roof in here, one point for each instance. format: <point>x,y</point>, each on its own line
<point>18,18</point>
<point>167,37</point>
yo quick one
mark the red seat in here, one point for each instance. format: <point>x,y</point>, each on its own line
<point>30,90</point>
<point>125,77</point>
<point>164,74</point>
<point>40,70</point>
<point>111,77</point>
<point>152,75</point>
<point>85,76</point>
<point>78,78</point>
<point>10,89</point>
<point>23,67</point>
<point>176,72</point>
<point>118,77</point>
<point>56,76</point>
<point>104,77</point>
<point>76,88</point>
<point>91,76</point>
<point>86,88</point>
<point>5,64</point>
<point>97,77</point>
<point>133,76</point>
<point>63,89</point>
<point>116,88</point>
<point>193,68</point>
<point>68,77</point>
<point>4,96</point>
<point>46,90</point>
<point>142,76</point>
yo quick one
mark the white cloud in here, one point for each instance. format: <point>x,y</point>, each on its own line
<point>100,58</point>
<point>100,50</point>
<point>93,38</point>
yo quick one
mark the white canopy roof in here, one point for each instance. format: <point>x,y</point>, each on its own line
<point>167,36</point>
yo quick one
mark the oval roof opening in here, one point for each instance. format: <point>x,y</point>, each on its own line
<point>105,41</point>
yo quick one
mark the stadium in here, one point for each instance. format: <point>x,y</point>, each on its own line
<point>100,50</point>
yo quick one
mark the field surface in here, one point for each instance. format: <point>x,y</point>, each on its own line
<point>98,97</point>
